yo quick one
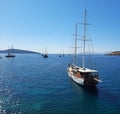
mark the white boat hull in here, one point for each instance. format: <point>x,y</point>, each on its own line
<point>85,77</point>
<point>76,79</point>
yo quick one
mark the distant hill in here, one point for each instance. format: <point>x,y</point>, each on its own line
<point>19,51</point>
<point>117,53</point>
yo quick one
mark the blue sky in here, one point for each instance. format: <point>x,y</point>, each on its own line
<point>39,24</point>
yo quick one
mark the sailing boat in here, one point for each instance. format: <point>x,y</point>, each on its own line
<point>45,55</point>
<point>80,74</point>
<point>10,54</point>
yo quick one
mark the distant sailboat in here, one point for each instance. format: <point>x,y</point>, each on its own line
<point>62,55</point>
<point>45,55</point>
<point>80,74</point>
<point>10,53</point>
<point>59,55</point>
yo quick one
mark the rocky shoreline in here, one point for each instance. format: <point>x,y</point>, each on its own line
<point>114,53</point>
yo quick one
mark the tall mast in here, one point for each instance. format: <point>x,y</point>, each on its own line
<point>75,41</point>
<point>75,51</point>
<point>84,37</point>
<point>12,48</point>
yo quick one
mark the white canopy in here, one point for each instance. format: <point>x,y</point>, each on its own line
<point>86,70</point>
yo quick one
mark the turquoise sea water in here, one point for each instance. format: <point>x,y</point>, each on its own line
<point>30,84</point>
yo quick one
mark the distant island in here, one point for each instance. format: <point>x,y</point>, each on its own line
<point>18,51</point>
<point>114,53</point>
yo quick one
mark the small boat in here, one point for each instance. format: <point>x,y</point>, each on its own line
<point>10,54</point>
<point>62,55</point>
<point>59,55</point>
<point>45,55</point>
<point>80,74</point>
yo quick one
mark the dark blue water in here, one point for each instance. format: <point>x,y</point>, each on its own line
<point>30,84</point>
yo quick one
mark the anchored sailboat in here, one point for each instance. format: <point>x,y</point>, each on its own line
<point>80,74</point>
<point>10,53</point>
<point>45,55</point>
